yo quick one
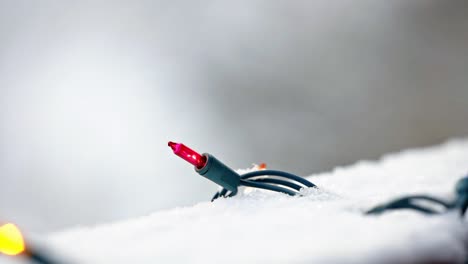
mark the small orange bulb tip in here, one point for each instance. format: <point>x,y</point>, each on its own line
<point>11,240</point>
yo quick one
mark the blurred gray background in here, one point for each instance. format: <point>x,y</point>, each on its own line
<point>91,91</point>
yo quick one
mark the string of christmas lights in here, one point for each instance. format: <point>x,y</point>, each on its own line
<point>279,181</point>
<point>12,242</point>
<point>213,169</point>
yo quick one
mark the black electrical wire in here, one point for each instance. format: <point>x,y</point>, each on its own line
<point>266,186</point>
<point>410,202</point>
<point>289,184</point>
<point>286,175</point>
<point>272,180</point>
<point>40,258</point>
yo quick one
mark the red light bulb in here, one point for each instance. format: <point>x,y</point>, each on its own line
<point>188,154</point>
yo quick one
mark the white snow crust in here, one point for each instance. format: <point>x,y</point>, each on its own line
<point>324,226</point>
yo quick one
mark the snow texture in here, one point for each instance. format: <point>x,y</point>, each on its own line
<point>324,226</point>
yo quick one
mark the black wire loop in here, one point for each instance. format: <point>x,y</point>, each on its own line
<point>410,202</point>
<point>272,180</point>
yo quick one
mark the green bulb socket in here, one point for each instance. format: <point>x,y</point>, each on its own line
<point>219,173</point>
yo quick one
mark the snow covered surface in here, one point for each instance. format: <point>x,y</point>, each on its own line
<point>324,226</point>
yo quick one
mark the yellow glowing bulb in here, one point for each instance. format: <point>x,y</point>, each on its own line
<point>11,240</point>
